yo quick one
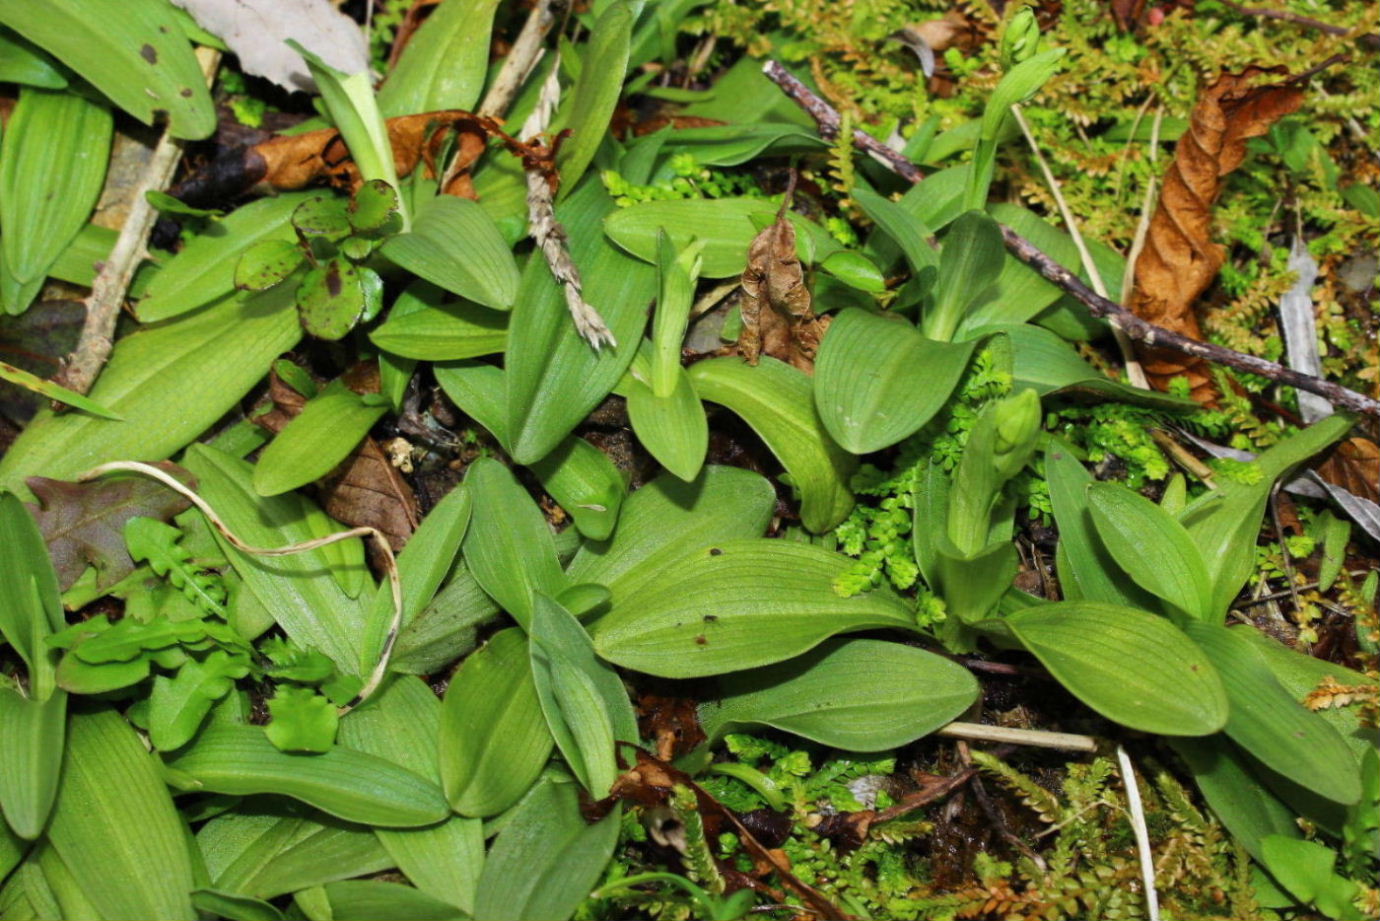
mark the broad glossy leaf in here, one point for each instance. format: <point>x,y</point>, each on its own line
<point>26,64</point>
<point>1273,726</point>
<point>583,699</point>
<point>585,482</point>
<point>1087,572</point>
<point>1049,364</point>
<point>673,429</point>
<point>52,166</point>
<point>733,145</point>
<point>907,230</point>
<point>547,858</point>
<point>678,273</point>
<point>178,705</point>
<point>331,298</point>
<point>314,442</point>
<point>1152,547</point>
<point>443,65</point>
<point>1243,803</point>
<point>267,263</point>
<point>446,628</point>
<point>204,269</point>
<point>139,59</point>
<point>234,907</point>
<point>442,330</point>
<point>554,377</point>
<point>509,547</point>
<point>1129,665</point>
<point>595,95</point>
<point>374,205</point>
<point>493,738</point>
<point>115,825</point>
<point>372,900</point>
<point>969,263</point>
<point>299,590</point>
<point>31,758</point>
<point>1224,523</point>
<point>349,784</point>
<point>30,606</point>
<point>853,694</point>
<point>402,724</point>
<point>668,519</point>
<point>479,390</point>
<point>1308,869</point>
<point>168,382</point>
<point>878,380</point>
<point>738,604</point>
<point>776,400</point>
<point>454,244</point>
<point>264,854</point>
<point>1017,85</point>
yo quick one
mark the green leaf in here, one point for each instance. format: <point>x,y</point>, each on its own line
<point>456,245</point>
<point>547,858</point>
<point>855,694</point>
<point>1273,726</point>
<point>907,230</point>
<point>374,204</point>
<point>440,330</point>
<point>52,166</point>
<point>205,268</point>
<point>54,391</point>
<point>23,63</point>
<point>169,383</point>
<point>1129,665</point>
<point>1086,570</point>
<point>267,263</point>
<point>313,443</point>
<point>583,699</point>
<point>734,145</point>
<point>234,907</point>
<point>34,731</point>
<point>266,853</point>
<point>139,59</point>
<point>493,738</point>
<point>725,226</point>
<point>422,566</point>
<point>446,628</point>
<point>30,605</point>
<point>585,482</point>
<point>1224,523</point>
<point>595,95</point>
<point>554,378</point>
<point>667,520</point>
<point>402,723</point>
<point>877,380</point>
<point>673,429</point>
<point>776,401</point>
<point>178,705</point>
<point>1048,364</point>
<point>115,825</point>
<point>1017,85</point>
<point>444,63</point>
<point>240,760</point>
<point>968,264</point>
<point>1243,803</point>
<point>679,271</point>
<point>855,270</point>
<point>301,720</point>
<point>479,390</point>
<point>1153,548</point>
<point>299,590</point>
<point>738,604</point>
<point>375,900</point>
<point>331,298</point>
<point>509,547</point>
<point>1307,870</point>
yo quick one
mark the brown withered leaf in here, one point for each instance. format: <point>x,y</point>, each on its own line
<point>83,523</point>
<point>650,782</point>
<point>1354,465</point>
<point>365,488</point>
<point>778,319</point>
<point>1180,260</point>
<point>297,161</point>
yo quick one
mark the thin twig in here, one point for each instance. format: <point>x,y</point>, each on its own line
<point>81,368</point>
<point>386,550</point>
<point>1368,41</point>
<point>1035,738</point>
<point>1147,859</point>
<point>1116,315</point>
<point>521,60</point>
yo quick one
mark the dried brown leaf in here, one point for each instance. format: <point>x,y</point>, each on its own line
<point>83,523</point>
<point>778,319</point>
<point>1180,259</point>
<point>1354,465</point>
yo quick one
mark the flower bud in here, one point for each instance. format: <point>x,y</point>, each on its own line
<point>1021,39</point>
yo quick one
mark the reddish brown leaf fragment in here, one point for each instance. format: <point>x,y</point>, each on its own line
<point>83,523</point>
<point>778,319</point>
<point>1354,465</point>
<point>1180,259</point>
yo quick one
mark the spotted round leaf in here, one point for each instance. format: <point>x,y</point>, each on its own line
<point>267,263</point>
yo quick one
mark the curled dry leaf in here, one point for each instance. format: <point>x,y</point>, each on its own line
<point>365,489</point>
<point>84,522</point>
<point>1180,260</point>
<point>297,161</point>
<point>1354,465</point>
<point>778,319</point>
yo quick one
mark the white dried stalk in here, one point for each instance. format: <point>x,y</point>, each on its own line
<point>1036,738</point>
<point>390,563</point>
<point>549,233</point>
<point>1147,859</point>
